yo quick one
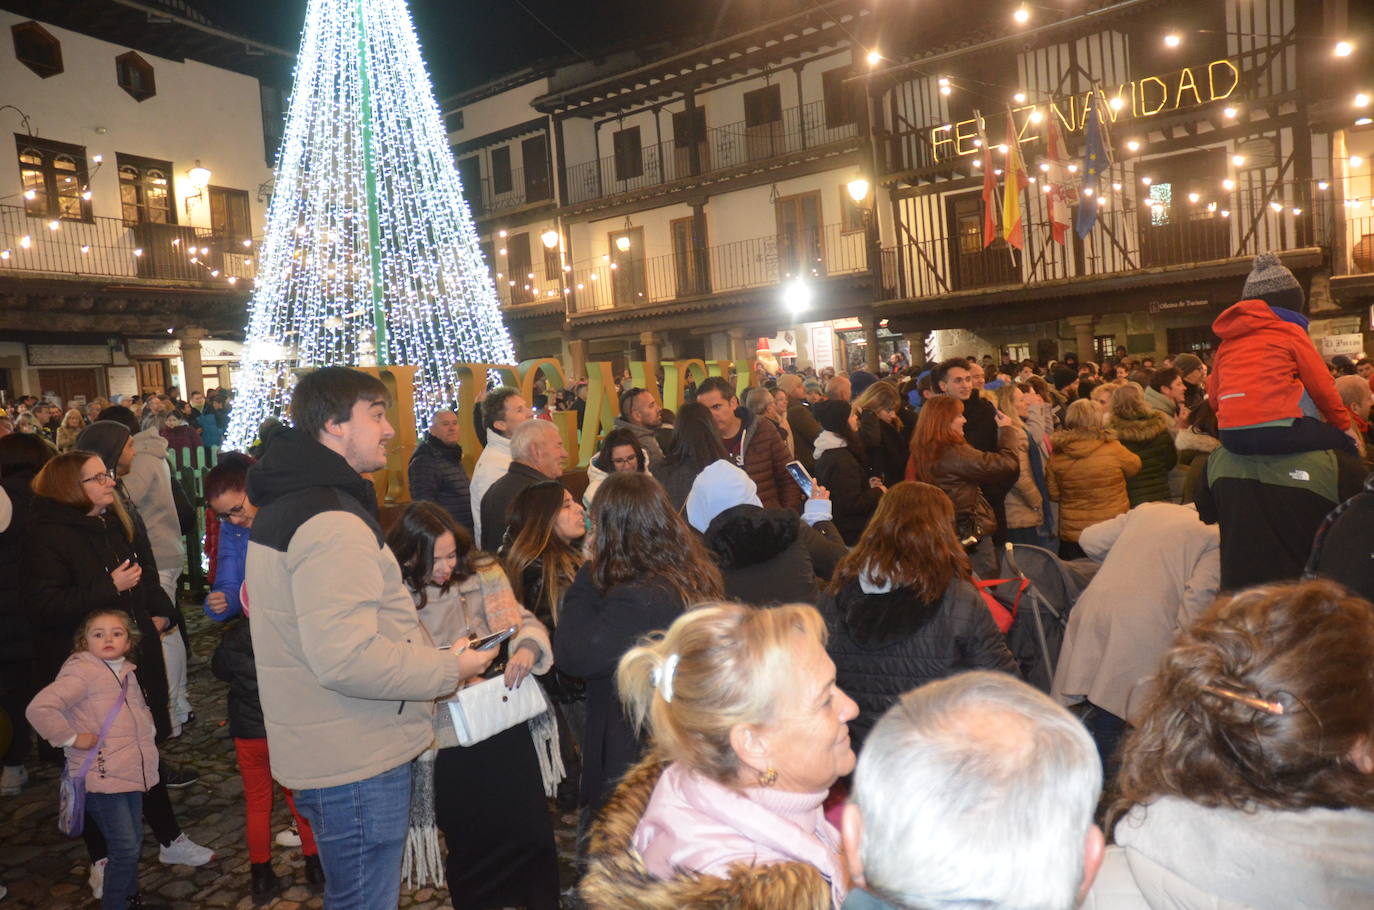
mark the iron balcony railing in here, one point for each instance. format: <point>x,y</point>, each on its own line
<point>111,248</point>
<point>508,193</point>
<point>1124,239</point>
<point>627,280</point>
<point>721,147</point>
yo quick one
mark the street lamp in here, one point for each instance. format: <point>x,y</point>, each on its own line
<point>550,238</point>
<point>622,243</point>
<point>200,179</point>
<point>796,296</point>
<point>858,189</point>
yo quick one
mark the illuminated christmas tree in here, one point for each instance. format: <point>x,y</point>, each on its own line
<point>370,255</point>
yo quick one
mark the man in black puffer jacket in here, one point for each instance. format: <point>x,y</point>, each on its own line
<point>436,470</point>
<point>767,556</point>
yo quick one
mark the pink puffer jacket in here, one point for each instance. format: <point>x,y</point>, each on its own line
<point>77,702</point>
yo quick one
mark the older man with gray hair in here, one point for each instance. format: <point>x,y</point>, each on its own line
<point>974,791</point>
<point>537,454</point>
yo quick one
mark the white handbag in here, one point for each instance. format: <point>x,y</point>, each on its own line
<point>484,709</point>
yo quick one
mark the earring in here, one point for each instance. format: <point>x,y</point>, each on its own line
<point>768,778</point>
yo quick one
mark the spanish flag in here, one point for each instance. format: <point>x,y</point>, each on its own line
<point>1013,230</point>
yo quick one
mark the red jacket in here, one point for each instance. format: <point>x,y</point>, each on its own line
<point>1262,367</point>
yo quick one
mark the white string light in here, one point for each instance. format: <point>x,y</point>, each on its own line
<point>313,303</point>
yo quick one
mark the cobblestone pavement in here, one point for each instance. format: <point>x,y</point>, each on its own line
<point>46,871</point>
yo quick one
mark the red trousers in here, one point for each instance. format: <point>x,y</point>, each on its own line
<point>257,795</point>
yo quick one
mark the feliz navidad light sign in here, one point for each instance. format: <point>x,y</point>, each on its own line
<point>1149,96</point>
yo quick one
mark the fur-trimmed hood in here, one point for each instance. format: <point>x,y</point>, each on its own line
<point>1082,441</point>
<point>1139,429</point>
<point>746,535</point>
<point>617,879</point>
<point>1190,440</point>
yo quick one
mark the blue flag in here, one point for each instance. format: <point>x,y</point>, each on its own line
<point>1095,163</point>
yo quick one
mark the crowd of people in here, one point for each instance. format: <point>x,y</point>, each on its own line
<point>754,644</point>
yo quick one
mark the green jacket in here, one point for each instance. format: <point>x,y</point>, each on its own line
<point>1149,438</point>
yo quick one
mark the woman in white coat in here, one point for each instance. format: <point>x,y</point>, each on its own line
<point>1160,569</point>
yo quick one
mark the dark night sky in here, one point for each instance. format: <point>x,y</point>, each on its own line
<point>468,42</point>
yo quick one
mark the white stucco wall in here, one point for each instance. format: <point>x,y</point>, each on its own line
<point>199,113</point>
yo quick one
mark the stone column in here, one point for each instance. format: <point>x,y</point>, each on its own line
<point>578,350</point>
<point>1083,336</point>
<point>739,345</point>
<point>191,380</point>
<point>870,324</point>
<point>651,352</point>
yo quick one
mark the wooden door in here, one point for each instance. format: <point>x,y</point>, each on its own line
<point>70,383</point>
<point>689,265</point>
<point>974,265</point>
<point>800,249</point>
<point>629,281</point>
<point>535,154</point>
<point>152,376</point>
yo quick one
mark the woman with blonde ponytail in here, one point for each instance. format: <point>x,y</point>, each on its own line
<point>748,732</point>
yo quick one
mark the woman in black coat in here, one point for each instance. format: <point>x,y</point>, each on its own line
<point>627,589</point>
<point>841,469</point>
<point>884,438</point>
<point>902,609</point>
<point>82,552</point>
<point>21,457</point>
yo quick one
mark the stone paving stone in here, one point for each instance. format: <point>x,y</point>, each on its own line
<point>46,871</point>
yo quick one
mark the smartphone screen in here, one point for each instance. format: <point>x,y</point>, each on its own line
<point>803,479</point>
<point>492,640</point>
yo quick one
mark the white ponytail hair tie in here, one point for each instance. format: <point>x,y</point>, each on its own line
<point>663,677</point>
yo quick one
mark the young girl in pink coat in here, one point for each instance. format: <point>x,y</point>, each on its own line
<point>70,713</point>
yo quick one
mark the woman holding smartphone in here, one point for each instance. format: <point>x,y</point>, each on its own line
<point>489,798</point>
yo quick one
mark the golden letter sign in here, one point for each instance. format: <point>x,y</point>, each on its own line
<point>1149,96</point>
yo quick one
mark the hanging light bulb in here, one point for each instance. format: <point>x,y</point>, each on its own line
<point>1228,184</point>
<point>26,241</point>
<point>1146,180</point>
<point>622,243</point>
<point>549,238</point>
<point>1343,49</point>
<point>1276,206</point>
<point>1019,97</point>
<point>1173,39</point>
<point>874,57</point>
<point>1022,14</point>
<point>1133,145</point>
<point>1238,159</point>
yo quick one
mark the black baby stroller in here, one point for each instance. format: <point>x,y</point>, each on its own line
<point>1038,589</point>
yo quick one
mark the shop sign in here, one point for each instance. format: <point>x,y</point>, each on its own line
<point>153,347</point>
<point>1164,306</point>
<point>1333,345</point>
<point>1138,99</point>
<point>52,355</point>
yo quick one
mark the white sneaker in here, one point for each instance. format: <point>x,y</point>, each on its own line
<point>289,837</point>
<point>185,852</point>
<point>97,878</point>
<point>13,779</point>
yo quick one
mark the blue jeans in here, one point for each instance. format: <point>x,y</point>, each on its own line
<point>360,829</point>
<point>120,819</point>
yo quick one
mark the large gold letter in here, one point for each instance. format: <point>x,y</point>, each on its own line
<point>1186,83</point>
<point>1212,79</point>
<point>1163,97</point>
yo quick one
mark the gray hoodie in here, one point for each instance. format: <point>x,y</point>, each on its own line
<point>1177,855</point>
<point>149,484</point>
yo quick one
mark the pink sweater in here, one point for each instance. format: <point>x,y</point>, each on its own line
<point>694,824</point>
<point>77,702</point>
